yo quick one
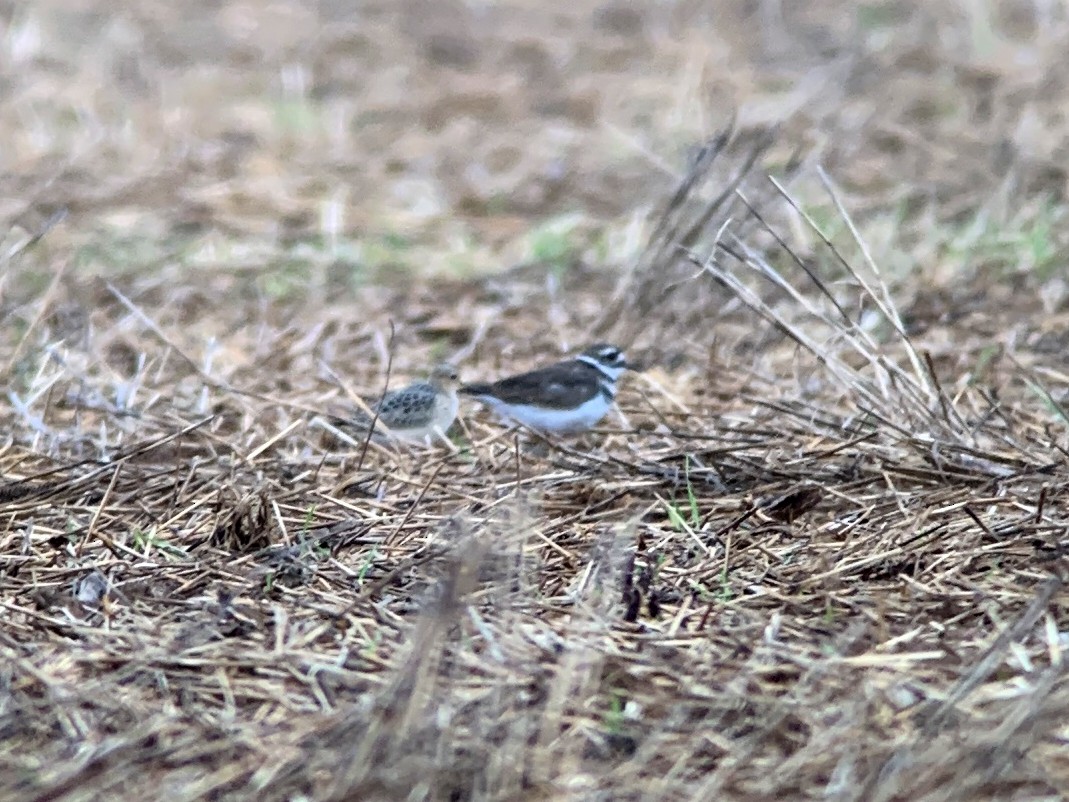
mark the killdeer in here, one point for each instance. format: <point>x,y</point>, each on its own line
<point>417,412</point>
<point>568,397</point>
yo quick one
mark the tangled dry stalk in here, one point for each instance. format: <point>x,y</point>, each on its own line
<point>820,553</point>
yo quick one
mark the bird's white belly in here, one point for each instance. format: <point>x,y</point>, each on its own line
<point>553,420</point>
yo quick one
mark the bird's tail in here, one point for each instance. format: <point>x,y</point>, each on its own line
<point>475,389</point>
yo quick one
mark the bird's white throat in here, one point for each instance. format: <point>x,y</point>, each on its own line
<point>610,372</point>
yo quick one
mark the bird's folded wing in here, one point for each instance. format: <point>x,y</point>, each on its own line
<point>563,385</point>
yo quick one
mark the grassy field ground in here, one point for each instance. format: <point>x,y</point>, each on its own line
<point>819,554</point>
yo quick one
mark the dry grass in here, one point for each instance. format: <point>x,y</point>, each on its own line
<point>821,554</point>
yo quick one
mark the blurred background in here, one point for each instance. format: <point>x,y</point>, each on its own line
<point>369,140</point>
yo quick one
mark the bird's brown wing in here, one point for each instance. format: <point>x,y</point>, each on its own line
<point>563,386</point>
<point>396,404</point>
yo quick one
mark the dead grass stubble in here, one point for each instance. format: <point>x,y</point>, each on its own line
<point>833,575</point>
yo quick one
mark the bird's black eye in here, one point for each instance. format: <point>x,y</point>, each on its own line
<point>610,354</point>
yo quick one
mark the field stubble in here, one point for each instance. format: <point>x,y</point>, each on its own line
<point>821,555</point>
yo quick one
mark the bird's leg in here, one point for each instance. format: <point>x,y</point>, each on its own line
<point>449,443</point>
